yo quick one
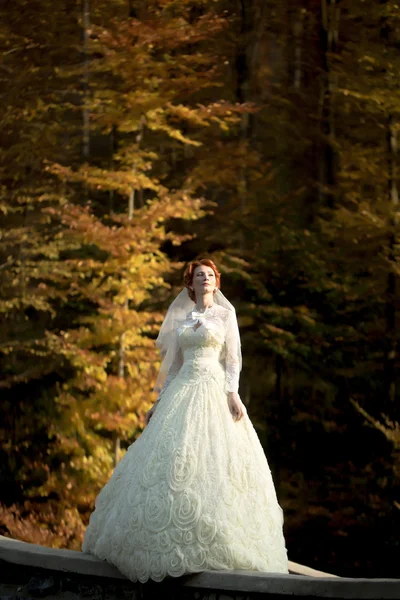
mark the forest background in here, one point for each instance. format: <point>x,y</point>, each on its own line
<point>139,135</point>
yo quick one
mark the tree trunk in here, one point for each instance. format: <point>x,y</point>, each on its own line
<point>242,86</point>
<point>117,448</point>
<point>329,35</point>
<point>298,31</point>
<point>242,95</point>
<point>86,115</point>
<point>111,164</point>
<point>121,351</point>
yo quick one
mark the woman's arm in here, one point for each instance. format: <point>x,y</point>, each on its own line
<point>232,366</point>
<point>232,353</point>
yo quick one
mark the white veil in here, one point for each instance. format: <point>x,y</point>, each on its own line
<point>167,339</point>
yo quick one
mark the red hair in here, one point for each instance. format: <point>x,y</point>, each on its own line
<point>189,272</point>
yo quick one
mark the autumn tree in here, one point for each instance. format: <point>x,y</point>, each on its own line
<point>93,268</point>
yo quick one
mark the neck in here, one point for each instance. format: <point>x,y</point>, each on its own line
<point>205,301</point>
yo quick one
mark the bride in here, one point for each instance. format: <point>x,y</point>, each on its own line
<point>195,491</point>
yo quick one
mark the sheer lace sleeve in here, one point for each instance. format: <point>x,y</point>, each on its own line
<point>233,356</point>
<point>172,360</point>
<point>173,370</point>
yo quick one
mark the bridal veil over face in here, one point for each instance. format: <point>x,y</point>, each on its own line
<point>179,311</point>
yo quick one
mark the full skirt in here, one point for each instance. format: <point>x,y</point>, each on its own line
<point>193,493</point>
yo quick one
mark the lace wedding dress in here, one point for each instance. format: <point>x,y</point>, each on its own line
<point>194,492</point>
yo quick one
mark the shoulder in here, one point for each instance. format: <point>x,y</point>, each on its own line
<point>225,314</point>
<point>221,310</point>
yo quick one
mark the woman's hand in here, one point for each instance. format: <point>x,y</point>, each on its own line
<point>236,406</point>
<point>150,413</point>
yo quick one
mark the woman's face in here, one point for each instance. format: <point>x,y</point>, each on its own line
<point>203,280</point>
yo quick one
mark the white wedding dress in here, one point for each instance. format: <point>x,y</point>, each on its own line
<point>195,491</point>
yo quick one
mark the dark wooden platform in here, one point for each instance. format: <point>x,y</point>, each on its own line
<point>31,571</point>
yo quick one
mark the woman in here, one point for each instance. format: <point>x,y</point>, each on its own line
<point>194,492</point>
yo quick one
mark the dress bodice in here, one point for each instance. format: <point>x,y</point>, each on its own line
<point>208,344</point>
<point>200,343</point>
<point>201,353</point>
